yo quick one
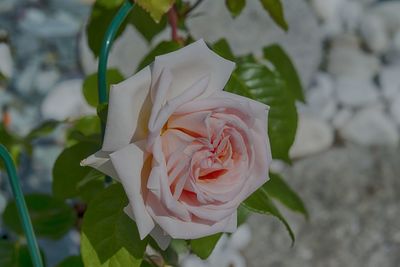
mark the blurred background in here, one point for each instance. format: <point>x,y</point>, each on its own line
<point>346,165</point>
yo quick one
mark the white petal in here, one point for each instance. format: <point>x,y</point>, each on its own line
<point>129,163</point>
<point>128,111</point>
<point>101,162</point>
<point>190,64</point>
<point>191,230</point>
<point>159,235</point>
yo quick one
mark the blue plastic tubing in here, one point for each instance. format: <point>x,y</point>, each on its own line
<point>21,207</point>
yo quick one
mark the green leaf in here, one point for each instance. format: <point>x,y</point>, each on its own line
<point>90,89</point>
<point>15,255</point>
<point>156,8</point>
<point>277,188</point>
<point>235,6</point>
<point>72,261</point>
<point>51,217</point>
<point>203,247</point>
<point>110,3</point>
<point>256,81</point>
<point>99,20</point>
<point>145,25</point>
<point>275,10</point>
<point>260,202</point>
<point>162,48</point>
<point>283,64</point>
<point>109,236</point>
<point>8,257</point>
<point>222,48</point>
<point>43,129</point>
<point>67,172</point>
<point>242,215</point>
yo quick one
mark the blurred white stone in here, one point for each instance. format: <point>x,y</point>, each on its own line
<point>59,24</point>
<point>45,80</point>
<point>313,136</point>
<point>241,238</point>
<point>395,109</point>
<point>23,118</point>
<point>320,99</point>
<point>389,12</point>
<point>374,33</point>
<point>371,127</point>
<point>327,10</point>
<point>66,101</point>
<point>352,62</point>
<point>6,61</point>
<point>390,81</point>
<point>303,41</point>
<point>341,118</point>
<point>356,92</point>
<point>26,78</point>
<point>125,55</point>
<point>7,5</point>
<point>350,15</point>
<point>229,258</point>
<point>193,261</point>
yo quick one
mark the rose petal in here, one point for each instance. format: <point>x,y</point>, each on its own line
<point>101,162</point>
<point>129,163</point>
<point>159,235</point>
<point>190,64</point>
<point>128,111</point>
<point>189,230</point>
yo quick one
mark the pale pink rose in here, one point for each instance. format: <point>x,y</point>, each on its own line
<point>186,152</point>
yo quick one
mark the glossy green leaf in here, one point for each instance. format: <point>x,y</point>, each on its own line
<point>147,264</point>
<point>278,189</point>
<point>16,255</point>
<point>145,25</point>
<point>51,217</point>
<point>222,48</point>
<point>67,172</point>
<point>72,261</point>
<point>162,48</point>
<point>110,3</point>
<point>235,6</point>
<point>90,90</point>
<point>256,81</point>
<point>242,215</point>
<point>99,20</point>
<point>260,202</point>
<point>43,129</point>
<point>275,10</point>
<point>156,8</point>
<point>109,236</point>
<point>203,247</point>
<point>284,65</point>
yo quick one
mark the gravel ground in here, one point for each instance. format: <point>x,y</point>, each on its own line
<point>352,194</point>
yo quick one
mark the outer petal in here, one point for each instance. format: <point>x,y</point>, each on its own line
<point>128,111</point>
<point>130,164</point>
<point>179,229</point>
<point>159,235</point>
<point>101,162</point>
<point>190,64</point>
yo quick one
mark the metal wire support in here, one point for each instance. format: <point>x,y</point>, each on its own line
<point>21,207</point>
<point>106,47</point>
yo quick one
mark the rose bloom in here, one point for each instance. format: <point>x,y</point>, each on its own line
<point>186,152</point>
